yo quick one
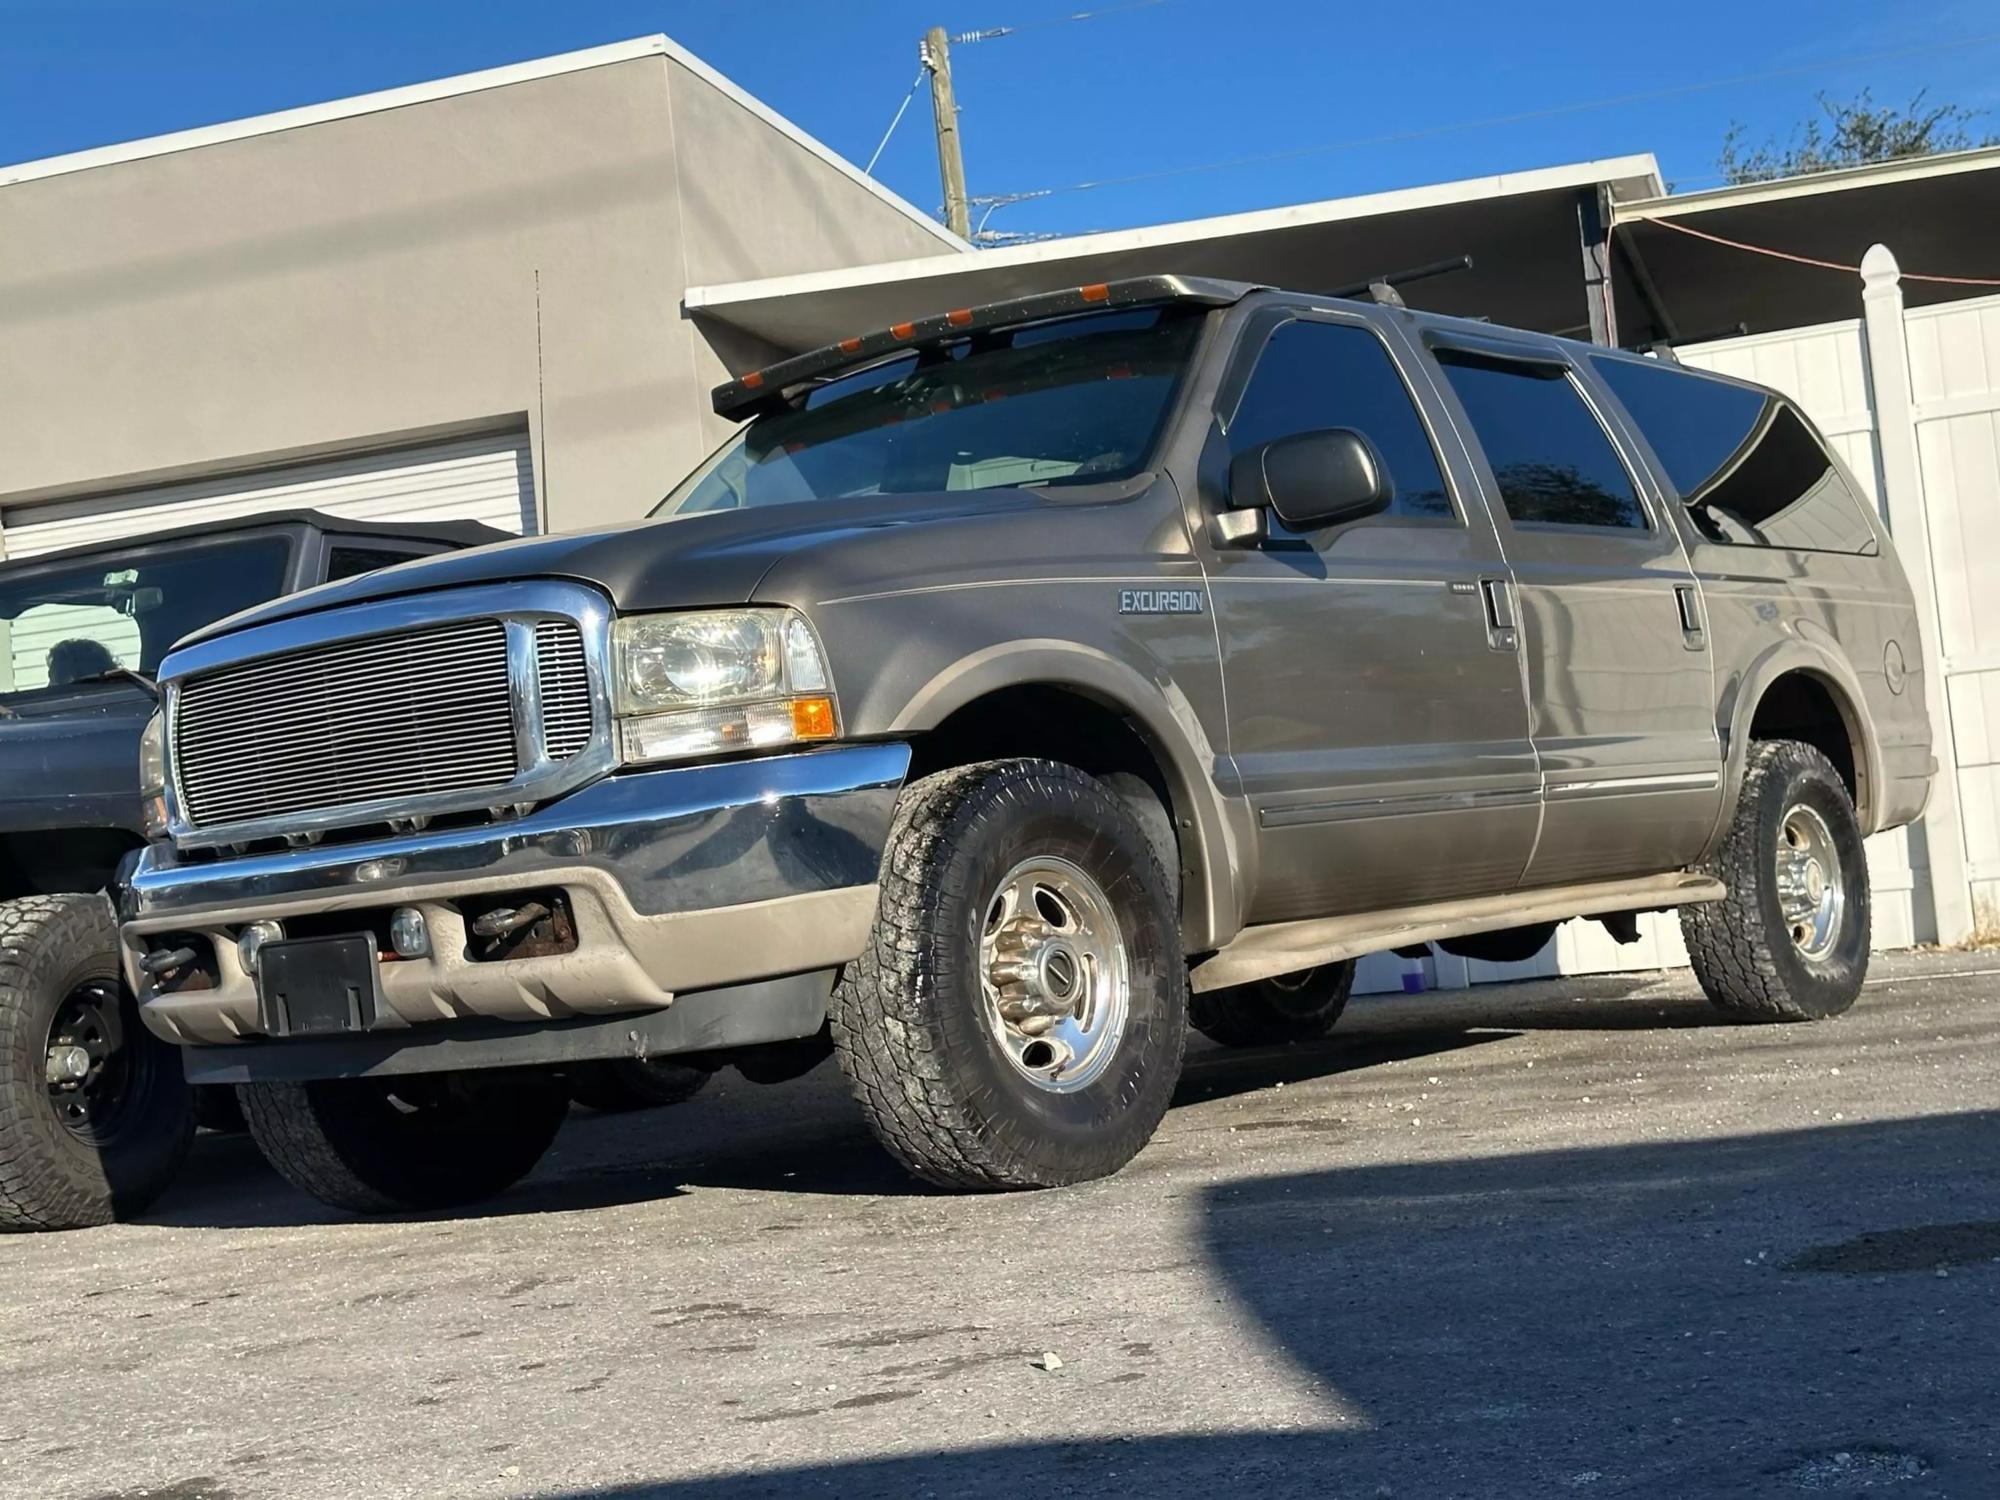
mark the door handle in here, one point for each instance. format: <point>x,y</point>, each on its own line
<point>1694,634</point>
<point>1498,596</point>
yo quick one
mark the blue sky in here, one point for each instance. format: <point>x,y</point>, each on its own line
<point>1142,88</point>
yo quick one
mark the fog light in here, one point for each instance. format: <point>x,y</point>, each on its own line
<point>251,940</point>
<point>409,933</point>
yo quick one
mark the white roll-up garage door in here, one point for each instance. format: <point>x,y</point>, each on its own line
<point>487,478</point>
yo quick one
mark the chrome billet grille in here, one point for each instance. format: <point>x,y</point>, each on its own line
<point>423,712</point>
<point>565,684</point>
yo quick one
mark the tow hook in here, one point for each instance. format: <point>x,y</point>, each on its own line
<point>166,960</point>
<point>508,919</point>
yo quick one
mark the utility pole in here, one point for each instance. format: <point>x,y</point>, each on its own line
<point>936,57</point>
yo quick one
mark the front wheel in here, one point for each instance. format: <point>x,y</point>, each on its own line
<point>1790,941</point>
<point>1298,1007</point>
<point>1019,1015</point>
<point>95,1115</point>
<point>432,1140</point>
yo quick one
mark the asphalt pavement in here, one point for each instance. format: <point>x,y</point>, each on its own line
<point>1576,1237</point>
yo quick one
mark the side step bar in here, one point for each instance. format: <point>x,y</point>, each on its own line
<point>1287,947</point>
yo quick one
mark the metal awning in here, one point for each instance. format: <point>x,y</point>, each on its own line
<point>1937,213</point>
<point>1524,232</point>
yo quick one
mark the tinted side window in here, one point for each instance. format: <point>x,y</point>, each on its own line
<point>1748,468</point>
<point>1311,376</point>
<point>1552,457</point>
<point>352,562</point>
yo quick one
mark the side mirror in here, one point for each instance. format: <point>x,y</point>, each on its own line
<point>1313,479</point>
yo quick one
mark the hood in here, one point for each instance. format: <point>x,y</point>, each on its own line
<point>715,558</point>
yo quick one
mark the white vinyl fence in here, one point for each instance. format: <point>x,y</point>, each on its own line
<point>1910,399</point>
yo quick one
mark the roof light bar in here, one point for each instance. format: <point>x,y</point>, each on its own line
<point>744,395</point>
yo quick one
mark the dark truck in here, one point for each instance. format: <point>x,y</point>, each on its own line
<point>94,1112</point>
<point>1018,686</point>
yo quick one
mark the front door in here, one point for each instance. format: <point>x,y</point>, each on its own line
<point>1376,716</point>
<point>1620,684</point>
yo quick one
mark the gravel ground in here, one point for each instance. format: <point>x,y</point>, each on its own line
<point>1571,1237</point>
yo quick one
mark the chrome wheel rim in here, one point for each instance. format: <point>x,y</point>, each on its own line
<point>1055,974</point>
<point>1811,892</point>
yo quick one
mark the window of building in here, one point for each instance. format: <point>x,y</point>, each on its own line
<point>1311,376</point>
<point>1745,463</point>
<point>1552,458</point>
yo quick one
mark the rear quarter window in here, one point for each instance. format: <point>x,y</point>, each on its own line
<point>1748,467</point>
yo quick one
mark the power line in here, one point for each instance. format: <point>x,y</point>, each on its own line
<point>1520,118</point>
<point>1807,260</point>
<point>992,33</point>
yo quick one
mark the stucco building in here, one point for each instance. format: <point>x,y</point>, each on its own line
<point>461,298</point>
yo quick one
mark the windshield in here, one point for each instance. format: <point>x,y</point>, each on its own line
<point>60,626</point>
<point>1081,400</point>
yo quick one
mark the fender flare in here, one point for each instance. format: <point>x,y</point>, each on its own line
<point>1782,660</point>
<point>1216,842</point>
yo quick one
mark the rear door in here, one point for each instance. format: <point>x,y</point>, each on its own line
<point>1377,721</point>
<point>1620,684</point>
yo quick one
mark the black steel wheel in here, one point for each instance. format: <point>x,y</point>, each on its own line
<point>95,1115</point>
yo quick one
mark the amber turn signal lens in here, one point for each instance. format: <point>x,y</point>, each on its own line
<point>812,718</point>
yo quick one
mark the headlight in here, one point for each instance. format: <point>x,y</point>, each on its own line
<point>153,775</point>
<point>704,682</point>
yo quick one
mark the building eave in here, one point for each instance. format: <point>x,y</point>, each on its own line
<point>1809,185</point>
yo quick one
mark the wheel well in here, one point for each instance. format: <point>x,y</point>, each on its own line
<point>1052,722</point>
<point>1800,706</point>
<point>51,861</point>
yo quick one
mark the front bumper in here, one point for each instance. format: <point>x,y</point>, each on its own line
<point>680,880</point>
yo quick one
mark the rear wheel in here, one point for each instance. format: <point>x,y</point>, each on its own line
<point>1019,1015</point>
<point>1299,1007</point>
<point>1790,941</point>
<point>432,1140</point>
<point>95,1115</point>
<point>629,1083</point>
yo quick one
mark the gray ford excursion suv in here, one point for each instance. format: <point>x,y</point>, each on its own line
<point>1016,687</point>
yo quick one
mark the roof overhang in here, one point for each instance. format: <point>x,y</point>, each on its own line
<point>1521,230</point>
<point>1937,213</point>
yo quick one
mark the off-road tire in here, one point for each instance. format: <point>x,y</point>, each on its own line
<point>1742,951</point>
<point>626,1084</point>
<point>909,1017</point>
<point>50,1176</point>
<point>1273,1012</point>
<point>347,1143</point>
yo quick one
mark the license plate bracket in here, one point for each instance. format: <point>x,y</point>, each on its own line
<point>322,986</point>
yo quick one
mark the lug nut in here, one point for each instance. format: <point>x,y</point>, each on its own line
<point>67,1064</point>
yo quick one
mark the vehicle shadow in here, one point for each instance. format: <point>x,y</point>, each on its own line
<point>1810,1311</point>
<point>807,1137</point>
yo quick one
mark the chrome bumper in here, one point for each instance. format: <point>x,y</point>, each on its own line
<point>679,880</point>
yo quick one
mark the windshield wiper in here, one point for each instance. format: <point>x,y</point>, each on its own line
<point>120,674</point>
